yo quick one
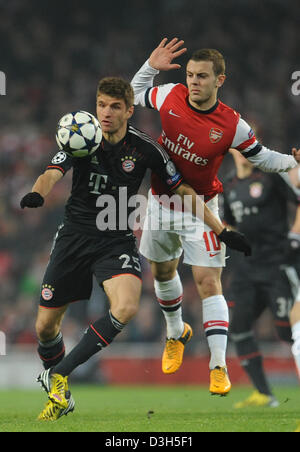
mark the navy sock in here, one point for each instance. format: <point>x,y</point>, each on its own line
<point>99,334</point>
<point>252,362</point>
<point>52,352</point>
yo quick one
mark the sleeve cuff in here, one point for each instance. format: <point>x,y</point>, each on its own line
<point>150,69</point>
<point>59,168</point>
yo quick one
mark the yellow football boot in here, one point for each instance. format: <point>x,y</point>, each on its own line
<point>174,349</point>
<point>257,399</point>
<point>219,381</point>
<point>51,412</point>
<point>59,388</point>
<point>60,400</point>
<point>297,429</point>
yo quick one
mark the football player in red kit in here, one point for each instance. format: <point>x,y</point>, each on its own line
<point>198,130</point>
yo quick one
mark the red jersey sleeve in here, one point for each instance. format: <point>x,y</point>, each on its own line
<point>244,139</point>
<point>155,97</point>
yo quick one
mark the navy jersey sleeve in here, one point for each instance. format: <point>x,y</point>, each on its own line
<point>61,161</point>
<point>161,164</point>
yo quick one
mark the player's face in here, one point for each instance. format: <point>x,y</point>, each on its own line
<point>112,114</point>
<point>202,82</point>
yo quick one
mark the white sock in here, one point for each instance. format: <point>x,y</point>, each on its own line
<point>216,322</point>
<point>169,295</point>
<point>296,345</point>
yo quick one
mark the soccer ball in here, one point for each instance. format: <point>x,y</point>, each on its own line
<point>78,134</point>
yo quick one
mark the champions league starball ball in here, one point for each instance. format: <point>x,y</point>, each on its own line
<point>78,134</point>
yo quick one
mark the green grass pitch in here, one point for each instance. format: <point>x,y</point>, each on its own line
<point>150,409</point>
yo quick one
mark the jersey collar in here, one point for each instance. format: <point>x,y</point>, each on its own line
<point>106,146</point>
<point>203,112</point>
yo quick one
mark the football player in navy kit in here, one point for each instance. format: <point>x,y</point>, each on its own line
<point>257,204</point>
<point>82,246</point>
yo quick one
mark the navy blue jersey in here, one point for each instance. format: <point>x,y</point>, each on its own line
<point>258,206</point>
<point>110,178</point>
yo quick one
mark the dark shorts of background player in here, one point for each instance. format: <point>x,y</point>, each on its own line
<point>253,291</point>
<point>76,257</point>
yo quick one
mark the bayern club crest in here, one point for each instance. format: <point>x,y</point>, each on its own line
<point>256,190</point>
<point>128,164</point>
<point>47,292</point>
<point>215,135</point>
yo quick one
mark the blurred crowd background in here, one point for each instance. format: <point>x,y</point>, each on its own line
<point>54,53</point>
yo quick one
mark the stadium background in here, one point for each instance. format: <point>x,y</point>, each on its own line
<point>53,54</point>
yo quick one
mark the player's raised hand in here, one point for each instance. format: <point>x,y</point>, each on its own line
<point>296,154</point>
<point>161,58</point>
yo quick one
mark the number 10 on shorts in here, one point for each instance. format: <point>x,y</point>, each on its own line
<point>212,242</point>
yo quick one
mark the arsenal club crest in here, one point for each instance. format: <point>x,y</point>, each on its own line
<point>215,135</point>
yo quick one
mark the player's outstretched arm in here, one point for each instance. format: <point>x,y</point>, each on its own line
<point>260,156</point>
<point>161,58</point>
<point>294,174</point>
<point>42,187</point>
<point>232,239</point>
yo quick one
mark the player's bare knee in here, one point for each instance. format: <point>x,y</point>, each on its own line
<point>209,286</point>
<point>46,330</point>
<point>164,274</point>
<point>125,311</point>
<point>164,271</point>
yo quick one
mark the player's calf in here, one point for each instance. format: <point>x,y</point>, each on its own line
<point>51,348</point>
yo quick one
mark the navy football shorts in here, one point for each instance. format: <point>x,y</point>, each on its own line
<point>76,257</point>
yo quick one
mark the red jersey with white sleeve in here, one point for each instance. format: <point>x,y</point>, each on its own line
<point>196,140</point>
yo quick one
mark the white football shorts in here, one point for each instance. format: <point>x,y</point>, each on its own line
<point>180,232</point>
<point>298,297</point>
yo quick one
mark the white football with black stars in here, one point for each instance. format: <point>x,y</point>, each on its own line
<point>78,134</point>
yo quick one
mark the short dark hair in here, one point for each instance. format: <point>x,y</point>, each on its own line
<point>211,55</point>
<point>118,88</point>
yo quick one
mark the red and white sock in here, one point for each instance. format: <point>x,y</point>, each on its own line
<point>216,323</point>
<point>296,345</point>
<point>169,296</point>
